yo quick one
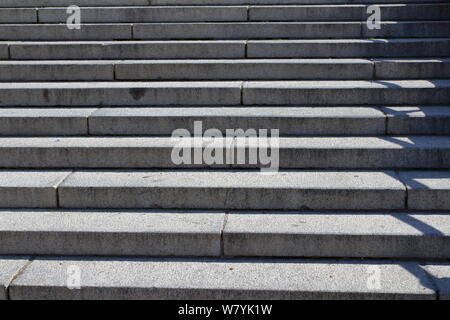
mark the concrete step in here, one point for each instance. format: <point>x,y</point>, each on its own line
<point>116,233</point>
<point>96,3</point>
<point>61,32</point>
<point>44,122</point>
<point>355,12</point>
<point>119,93</point>
<point>18,15</point>
<point>349,12</point>
<point>358,92</point>
<point>225,31</point>
<point>347,48</point>
<point>287,30</point>
<point>412,68</point>
<point>223,279</point>
<point>240,234</point>
<point>30,189</point>
<point>319,121</point>
<point>356,235</point>
<point>149,14</point>
<point>420,120</point>
<point>288,120</point>
<point>247,190</point>
<point>104,50</point>
<point>292,153</point>
<point>346,92</point>
<point>230,69</point>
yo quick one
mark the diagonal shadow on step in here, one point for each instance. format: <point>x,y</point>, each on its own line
<point>418,224</point>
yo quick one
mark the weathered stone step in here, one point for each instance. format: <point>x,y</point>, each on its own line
<point>291,153</point>
<point>149,14</point>
<point>347,48</point>
<point>96,3</point>
<point>355,12</point>
<point>289,30</point>
<point>225,31</point>
<point>349,12</point>
<point>117,93</point>
<point>240,234</point>
<point>379,92</point>
<point>224,279</point>
<point>230,49</point>
<point>324,121</point>
<point>356,235</point>
<point>233,69</point>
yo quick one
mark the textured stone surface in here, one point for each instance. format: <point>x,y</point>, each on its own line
<point>418,120</point>
<point>289,120</point>
<point>222,279</point>
<point>439,273</point>
<point>346,92</point>
<point>294,152</point>
<point>9,269</point>
<point>98,50</point>
<point>119,93</point>
<point>126,233</point>
<point>369,235</point>
<point>262,69</point>
<point>290,190</point>
<point>29,189</point>
<point>354,48</point>
<point>148,14</point>
<point>427,190</point>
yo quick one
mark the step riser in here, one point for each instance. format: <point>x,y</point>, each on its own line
<point>290,121</point>
<point>362,48</point>
<point>227,279</point>
<point>90,3</point>
<point>225,49</point>
<point>223,31</point>
<point>225,93</point>
<point>148,158</point>
<point>251,13</point>
<point>231,70</point>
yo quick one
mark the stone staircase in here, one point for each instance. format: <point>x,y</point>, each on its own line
<point>360,206</point>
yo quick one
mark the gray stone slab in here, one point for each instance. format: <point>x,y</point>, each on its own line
<point>113,233</point>
<point>412,68</point>
<point>439,273</point>
<point>30,189</point>
<point>347,12</point>
<point>289,120</point>
<point>294,152</point>
<point>358,235</point>
<point>346,92</point>
<point>18,15</point>
<point>9,268</point>
<point>348,48</point>
<point>127,50</point>
<point>119,93</point>
<point>4,51</point>
<point>56,70</point>
<point>427,190</point>
<point>418,120</point>
<point>17,32</point>
<point>248,30</point>
<point>87,3</point>
<point>285,190</point>
<point>148,14</point>
<point>307,13</point>
<point>42,122</point>
<point>407,29</point>
<point>222,279</point>
<point>255,69</point>
<point>65,3</point>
